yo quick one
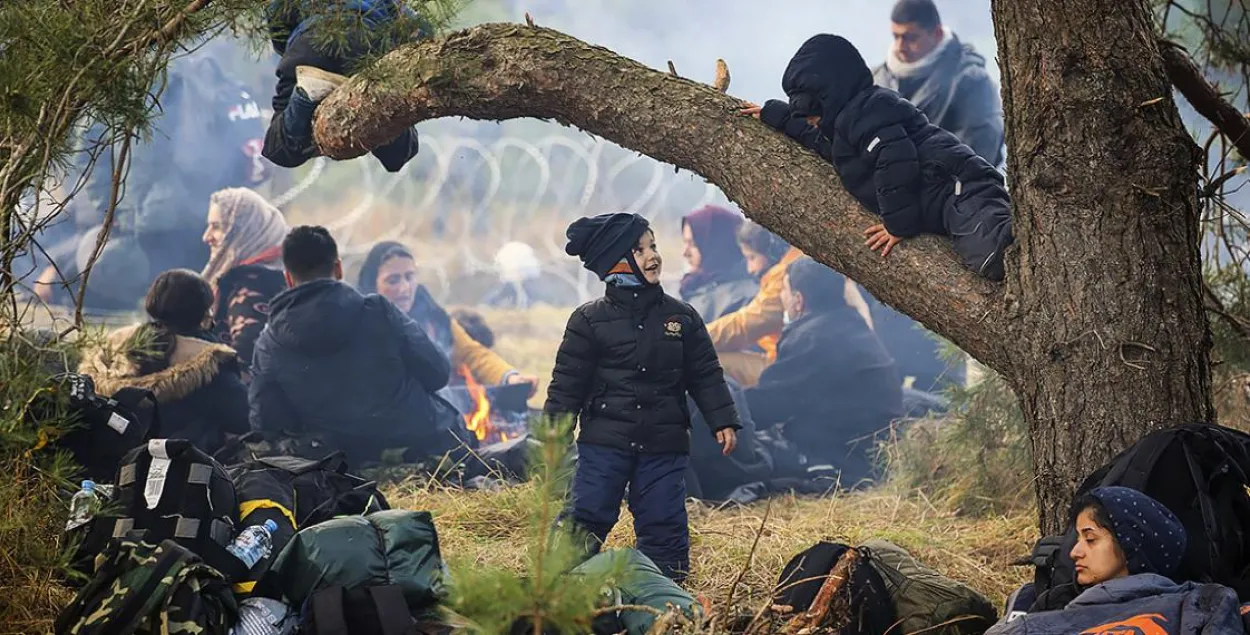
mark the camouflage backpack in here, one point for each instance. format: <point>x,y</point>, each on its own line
<point>141,589</point>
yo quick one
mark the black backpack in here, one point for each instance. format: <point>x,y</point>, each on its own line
<point>105,428</point>
<point>194,504</point>
<point>1200,472</point>
<point>871,611</point>
<point>296,493</point>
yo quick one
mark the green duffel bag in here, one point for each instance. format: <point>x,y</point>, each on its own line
<point>388,548</point>
<point>638,582</point>
<point>925,600</point>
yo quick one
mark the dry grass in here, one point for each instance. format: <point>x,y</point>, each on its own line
<point>489,528</point>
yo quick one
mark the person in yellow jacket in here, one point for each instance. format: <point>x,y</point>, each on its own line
<point>390,270</point>
<point>746,339</point>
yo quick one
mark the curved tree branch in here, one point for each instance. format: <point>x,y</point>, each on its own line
<point>1204,97</point>
<point>505,71</point>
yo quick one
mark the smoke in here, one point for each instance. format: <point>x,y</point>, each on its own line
<point>756,38</point>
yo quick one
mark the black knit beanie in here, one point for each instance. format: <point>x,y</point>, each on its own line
<point>602,241</point>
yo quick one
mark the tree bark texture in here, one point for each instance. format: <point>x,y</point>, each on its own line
<point>504,71</point>
<point>1107,331</point>
<point>1099,325</point>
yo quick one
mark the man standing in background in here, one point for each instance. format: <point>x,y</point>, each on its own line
<point>943,77</point>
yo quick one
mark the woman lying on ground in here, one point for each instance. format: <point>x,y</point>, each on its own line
<point>196,381</point>
<point>718,282</point>
<point>390,270</point>
<point>1128,545</point>
<point>244,234</point>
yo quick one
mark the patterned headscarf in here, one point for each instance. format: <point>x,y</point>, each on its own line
<point>252,226</point>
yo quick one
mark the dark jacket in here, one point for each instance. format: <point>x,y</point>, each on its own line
<point>200,394</point>
<point>624,368</point>
<point>713,297</point>
<point>353,369</point>
<point>918,177</point>
<point>833,386</point>
<point>1145,603</point>
<point>242,308</point>
<point>958,95</point>
<point>289,19</point>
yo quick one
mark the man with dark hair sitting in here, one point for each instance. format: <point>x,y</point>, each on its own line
<point>348,369</point>
<point>833,385</point>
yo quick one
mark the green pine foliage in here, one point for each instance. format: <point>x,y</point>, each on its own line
<point>975,459</point>
<point>546,598</point>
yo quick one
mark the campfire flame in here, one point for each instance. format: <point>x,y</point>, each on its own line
<point>478,422</point>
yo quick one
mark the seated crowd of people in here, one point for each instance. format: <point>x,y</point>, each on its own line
<point>784,361</point>
<point>270,335</point>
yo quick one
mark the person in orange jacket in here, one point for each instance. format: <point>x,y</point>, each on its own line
<point>390,270</point>
<point>746,339</point>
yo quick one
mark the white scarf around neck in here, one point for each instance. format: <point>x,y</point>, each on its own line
<point>906,70</point>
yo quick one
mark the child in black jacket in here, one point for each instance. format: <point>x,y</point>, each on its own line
<point>624,368</point>
<point>919,178</point>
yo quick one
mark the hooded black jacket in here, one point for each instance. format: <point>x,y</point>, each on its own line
<point>353,369</point>
<point>918,177</point>
<point>624,368</point>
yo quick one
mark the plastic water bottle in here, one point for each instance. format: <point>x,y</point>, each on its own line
<point>83,506</point>
<point>254,543</point>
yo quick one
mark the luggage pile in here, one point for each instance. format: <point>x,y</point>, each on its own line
<point>171,541</point>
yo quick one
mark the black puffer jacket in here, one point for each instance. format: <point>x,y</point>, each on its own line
<point>624,368</point>
<point>351,369</point>
<point>918,177</point>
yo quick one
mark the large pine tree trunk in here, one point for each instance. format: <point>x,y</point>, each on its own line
<point>1099,325</point>
<point>1109,335</point>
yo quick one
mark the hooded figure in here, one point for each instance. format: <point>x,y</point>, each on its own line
<point>244,234</point>
<point>1141,599</point>
<point>623,370</point>
<point>196,381</point>
<point>720,283</point>
<point>878,143</point>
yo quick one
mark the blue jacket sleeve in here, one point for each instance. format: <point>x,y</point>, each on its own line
<point>422,358</point>
<point>270,411</point>
<point>896,175</point>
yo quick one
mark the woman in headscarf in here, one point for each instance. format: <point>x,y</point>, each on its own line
<point>244,234</point>
<point>1128,548</point>
<point>718,281</point>
<point>197,382</point>
<point>390,270</point>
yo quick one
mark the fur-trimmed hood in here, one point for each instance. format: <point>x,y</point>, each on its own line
<point>193,365</point>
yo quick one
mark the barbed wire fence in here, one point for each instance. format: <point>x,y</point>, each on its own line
<point>463,198</point>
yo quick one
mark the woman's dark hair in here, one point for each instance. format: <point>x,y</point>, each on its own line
<point>475,325</point>
<point>367,279</point>
<point>1099,512</point>
<point>176,304</point>
<point>763,242</point>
